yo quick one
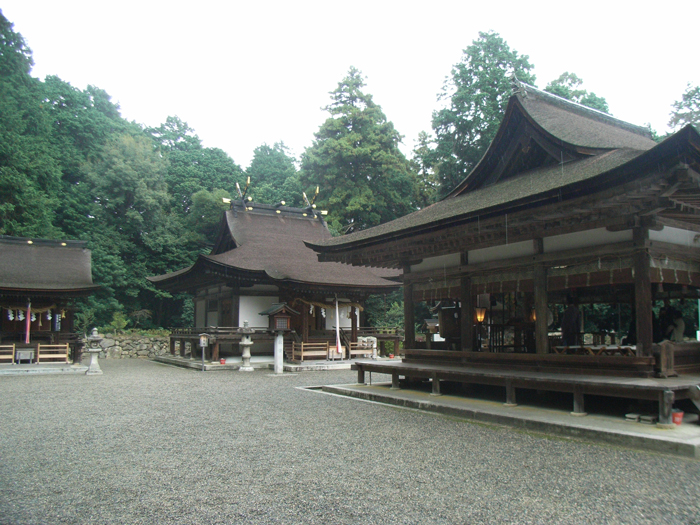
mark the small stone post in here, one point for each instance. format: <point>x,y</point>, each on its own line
<point>245,345</point>
<point>94,349</point>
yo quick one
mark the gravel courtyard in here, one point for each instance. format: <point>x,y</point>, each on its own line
<point>152,444</point>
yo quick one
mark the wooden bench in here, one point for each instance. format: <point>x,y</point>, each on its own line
<point>51,353</point>
<point>7,353</point>
<point>302,350</point>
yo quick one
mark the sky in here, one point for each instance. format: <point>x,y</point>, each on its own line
<point>247,73</point>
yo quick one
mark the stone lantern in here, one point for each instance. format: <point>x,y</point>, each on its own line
<point>245,344</point>
<point>94,350</point>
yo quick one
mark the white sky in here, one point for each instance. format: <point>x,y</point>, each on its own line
<point>244,73</point>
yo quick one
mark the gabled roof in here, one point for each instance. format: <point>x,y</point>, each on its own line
<point>540,129</point>
<point>262,245</point>
<point>40,265</point>
<point>547,150</point>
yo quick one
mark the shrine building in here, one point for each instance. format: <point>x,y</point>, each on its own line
<point>260,267</point>
<point>566,203</point>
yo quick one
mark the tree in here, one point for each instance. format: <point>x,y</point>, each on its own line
<point>205,216</point>
<point>274,176</point>
<point>687,109</point>
<point>568,86</point>
<point>365,180</point>
<point>476,93</point>
<point>423,164</point>
<point>29,173</point>
<point>191,166</point>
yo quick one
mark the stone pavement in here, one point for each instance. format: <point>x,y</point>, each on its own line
<point>152,443</point>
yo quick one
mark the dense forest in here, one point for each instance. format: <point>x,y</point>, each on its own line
<point>148,200</point>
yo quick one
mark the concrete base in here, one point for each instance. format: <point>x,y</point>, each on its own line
<point>232,363</point>
<point>683,440</point>
<point>50,368</point>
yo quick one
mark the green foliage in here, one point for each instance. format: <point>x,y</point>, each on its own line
<point>477,93</point>
<point>207,210</point>
<point>84,320</point>
<point>29,173</point>
<point>568,86</point>
<point>423,164</point>
<point>687,109</point>
<point>365,180</point>
<point>191,167</point>
<point>119,322</point>
<point>274,176</point>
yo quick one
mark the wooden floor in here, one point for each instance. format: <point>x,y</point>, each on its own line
<point>663,390</point>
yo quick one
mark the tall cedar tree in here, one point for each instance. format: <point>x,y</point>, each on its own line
<point>477,94</point>
<point>365,180</point>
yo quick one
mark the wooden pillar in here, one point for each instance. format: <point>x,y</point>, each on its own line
<point>642,293</point>
<point>395,381</point>
<point>304,323</point>
<point>172,345</point>
<point>408,314</point>
<point>541,335</point>
<point>541,310</point>
<point>579,408</point>
<point>666,399</point>
<point>436,386</point>
<point>360,375</point>
<point>215,352</point>
<point>353,324</point>
<point>510,395</point>
<point>467,313</point>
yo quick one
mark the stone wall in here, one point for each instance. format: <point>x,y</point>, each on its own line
<point>125,346</point>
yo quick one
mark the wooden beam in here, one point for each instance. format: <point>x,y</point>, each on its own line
<point>541,337</point>
<point>408,314</point>
<point>642,293</point>
<point>466,314</point>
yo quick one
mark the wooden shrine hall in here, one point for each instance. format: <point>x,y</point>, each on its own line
<point>259,263</point>
<point>39,281</point>
<point>567,201</point>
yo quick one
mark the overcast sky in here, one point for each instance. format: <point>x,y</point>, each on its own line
<point>244,73</point>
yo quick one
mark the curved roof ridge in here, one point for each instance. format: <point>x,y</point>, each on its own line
<point>523,90</point>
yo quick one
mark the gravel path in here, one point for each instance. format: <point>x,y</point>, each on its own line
<point>153,444</point>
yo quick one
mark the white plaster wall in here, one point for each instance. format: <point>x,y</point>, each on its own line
<point>675,236</point>
<point>506,251</point>
<point>596,237</point>
<point>251,306</point>
<point>345,322</point>
<point>450,260</point>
